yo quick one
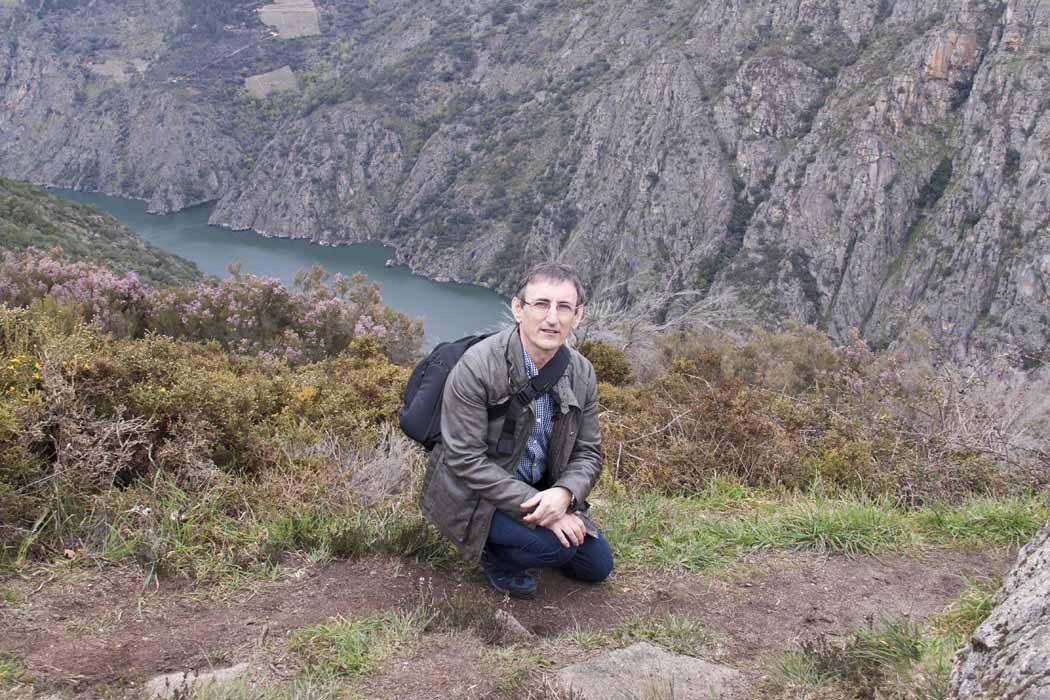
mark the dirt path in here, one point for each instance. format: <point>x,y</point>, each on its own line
<point>92,628</point>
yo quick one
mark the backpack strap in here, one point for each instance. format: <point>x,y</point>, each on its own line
<point>536,386</point>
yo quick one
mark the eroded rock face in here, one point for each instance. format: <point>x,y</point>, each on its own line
<point>849,163</point>
<point>1008,657</point>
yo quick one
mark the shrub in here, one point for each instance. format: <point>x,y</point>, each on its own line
<point>789,409</point>
<point>610,362</point>
<point>102,439</point>
<point>245,314</point>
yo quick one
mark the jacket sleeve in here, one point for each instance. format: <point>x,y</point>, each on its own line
<point>464,432</point>
<point>585,460</point>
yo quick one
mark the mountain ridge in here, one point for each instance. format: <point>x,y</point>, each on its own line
<point>850,164</point>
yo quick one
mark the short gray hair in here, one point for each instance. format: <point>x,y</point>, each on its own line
<point>555,272</point>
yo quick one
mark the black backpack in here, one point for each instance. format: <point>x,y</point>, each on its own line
<point>420,417</point>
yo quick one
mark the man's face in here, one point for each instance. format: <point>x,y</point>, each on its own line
<point>546,312</point>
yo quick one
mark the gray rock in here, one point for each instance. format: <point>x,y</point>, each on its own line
<point>1009,654</point>
<point>509,630</point>
<point>167,686</point>
<point>643,671</point>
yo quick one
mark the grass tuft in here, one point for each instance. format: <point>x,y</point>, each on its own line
<point>9,673</point>
<point>682,533</point>
<point>676,633</point>
<point>347,648</point>
<point>904,659</point>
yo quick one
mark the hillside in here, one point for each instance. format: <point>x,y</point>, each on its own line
<point>821,522</point>
<point>30,216</point>
<point>870,164</point>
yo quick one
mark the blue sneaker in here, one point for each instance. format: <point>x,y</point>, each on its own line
<point>515,584</point>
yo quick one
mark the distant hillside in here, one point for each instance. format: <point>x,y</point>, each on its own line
<point>868,164</point>
<point>31,216</point>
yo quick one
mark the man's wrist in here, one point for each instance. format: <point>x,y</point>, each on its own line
<point>571,508</point>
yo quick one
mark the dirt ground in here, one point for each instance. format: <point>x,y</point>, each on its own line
<point>80,630</point>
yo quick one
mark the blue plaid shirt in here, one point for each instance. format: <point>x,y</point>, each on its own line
<point>534,460</point>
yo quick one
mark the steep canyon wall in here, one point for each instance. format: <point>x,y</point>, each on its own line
<point>868,164</point>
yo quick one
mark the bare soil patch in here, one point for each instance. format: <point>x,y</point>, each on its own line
<point>82,629</point>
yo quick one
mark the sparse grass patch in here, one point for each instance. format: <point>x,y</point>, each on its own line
<point>347,648</point>
<point>9,673</point>
<point>462,612</point>
<point>675,633</point>
<point>903,659</point>
<point>968,611</point>
<point>797,671</point>
<point>518,666</point>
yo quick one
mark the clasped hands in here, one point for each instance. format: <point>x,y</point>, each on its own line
<point>549,511</point>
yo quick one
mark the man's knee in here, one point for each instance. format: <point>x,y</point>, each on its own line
<point>598,571</point>
<point>553,554</point>
<point>594,564</point>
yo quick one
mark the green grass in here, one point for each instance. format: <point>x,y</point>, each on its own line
<point>985,521</point>
<point>9,673</point>
<point>346,648</point>
<point>717,527</point>
<point>517,666</point>
<point>676,633</point>
<point>903,659</point>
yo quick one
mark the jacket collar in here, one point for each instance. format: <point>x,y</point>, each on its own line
<point>515,355</point>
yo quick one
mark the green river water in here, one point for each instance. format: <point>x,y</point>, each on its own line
<point>448,310</point>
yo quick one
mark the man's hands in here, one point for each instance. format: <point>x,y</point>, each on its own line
<point>550,512</point>
<point>550,506</point>
<point>569,529</point>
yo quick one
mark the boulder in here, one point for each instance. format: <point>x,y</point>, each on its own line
<point>509,631</point>
<point>182,683</point>
<point>1009,653</point>
<point>643,671</point>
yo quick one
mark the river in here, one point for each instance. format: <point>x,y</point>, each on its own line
<point>448,310</point>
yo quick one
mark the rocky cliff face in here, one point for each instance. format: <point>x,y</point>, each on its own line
<point>1009,654</point>
<point>870,164</point>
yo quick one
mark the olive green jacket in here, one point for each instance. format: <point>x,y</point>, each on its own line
<point>467,480</point>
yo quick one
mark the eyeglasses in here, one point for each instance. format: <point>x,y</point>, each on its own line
<point>541,307</point>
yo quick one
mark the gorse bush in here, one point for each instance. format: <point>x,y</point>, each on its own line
<point>92,426</point>
<point>244,314</point>
<point>790,409</point>
<point>610,362</point>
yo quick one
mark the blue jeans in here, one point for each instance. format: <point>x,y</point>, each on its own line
<point>515,547</point>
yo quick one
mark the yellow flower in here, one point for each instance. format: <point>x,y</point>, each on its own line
<point>36,375</point>
<point>36,365</point>
<point>162,389</point>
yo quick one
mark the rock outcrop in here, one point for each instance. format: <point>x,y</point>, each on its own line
<point>1008,656</point>
<point>871,164</point>
<point>643,670</point>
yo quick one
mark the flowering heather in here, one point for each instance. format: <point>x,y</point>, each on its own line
<point>244,313</point>
<point>112,302</point>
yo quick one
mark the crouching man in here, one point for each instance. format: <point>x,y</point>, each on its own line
<point>516,499</point>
